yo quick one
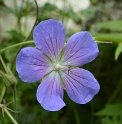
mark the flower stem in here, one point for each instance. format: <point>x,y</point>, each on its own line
<point>116,91</point>
<point>15,100</point>
<point>37,14</point>
<point>2,93</point>
<point>16,45</point>
<point>103,42</point>
<point>3,66</point>
<point>10,116</point>
<point>77,116</point>
<point>92,112</point>
<point>8,113</point>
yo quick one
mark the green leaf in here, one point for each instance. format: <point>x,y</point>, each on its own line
<point>49,7</point>
<point>110,25</point>
<point>107,120</point>
<point>110,110</point>
<point>15,35</point>
<point>114,37</point>
<point>118,51</point>
<point>90,12</point>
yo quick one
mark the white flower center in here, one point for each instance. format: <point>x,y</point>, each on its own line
<point>60,67</point>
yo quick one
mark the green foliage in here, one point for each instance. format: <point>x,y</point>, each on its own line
<point>118,51</point>
<point>90,12</point>
<point>114,25</point>
<point>15,35</point>
<point>107,120</point>
<point>111,110</point>
<point>111,114</point>
<point>98,19</point>
<point>113,37</point>
<point>114,33</point>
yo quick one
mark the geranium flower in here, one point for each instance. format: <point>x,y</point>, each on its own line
<point>56,63</point>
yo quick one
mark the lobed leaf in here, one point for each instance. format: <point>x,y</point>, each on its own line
<point>110,110</point>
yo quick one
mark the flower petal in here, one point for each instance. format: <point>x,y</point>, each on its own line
<point>80,85</point>
<point>50,93</point>
<point>31,65</point>
<point>49,36</point>
<point>80,49</point>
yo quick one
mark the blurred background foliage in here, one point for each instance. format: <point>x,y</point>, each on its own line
<point>103,18</point>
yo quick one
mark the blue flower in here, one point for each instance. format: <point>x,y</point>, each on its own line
<point>56,63</point>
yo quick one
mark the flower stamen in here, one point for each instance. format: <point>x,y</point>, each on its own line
<point>60,67</point>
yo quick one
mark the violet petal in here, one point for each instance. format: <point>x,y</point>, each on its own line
<point>49,36</point>
<point>80,85</point>
<point>31,64</point>
<point>50,93</point>
<point>80,49</point>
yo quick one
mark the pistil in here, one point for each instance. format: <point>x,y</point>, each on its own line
<point>61,67</point>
